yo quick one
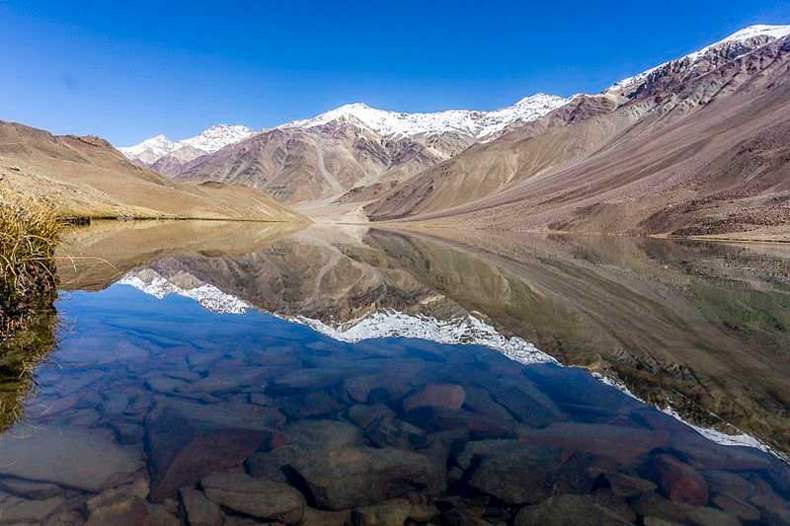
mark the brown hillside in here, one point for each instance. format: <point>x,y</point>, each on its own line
<point>86,176</point>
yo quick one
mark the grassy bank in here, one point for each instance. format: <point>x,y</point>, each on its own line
<point>29,232</point>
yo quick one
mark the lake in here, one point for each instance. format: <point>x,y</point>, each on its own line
<point>241,373</point>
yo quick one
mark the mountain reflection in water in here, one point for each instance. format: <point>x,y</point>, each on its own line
<point>374,377</point>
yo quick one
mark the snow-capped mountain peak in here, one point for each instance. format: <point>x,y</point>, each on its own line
<point>154,148</point>
<point>765,33</point>
<point>218,136</point>
<point>208,141</point>
<point>478,124</point>
<point>768,32</point>
<point>757,30</point>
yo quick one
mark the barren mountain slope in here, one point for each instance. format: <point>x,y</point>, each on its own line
<point>353,153</point>
<point>661,162</point>
<point>86,176</point>
<point>488,168</point>
<point>304,164</point>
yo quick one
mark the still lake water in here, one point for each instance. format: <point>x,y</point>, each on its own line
<point>213,373</point>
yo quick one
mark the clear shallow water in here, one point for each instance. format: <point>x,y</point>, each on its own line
<point>155,406</point>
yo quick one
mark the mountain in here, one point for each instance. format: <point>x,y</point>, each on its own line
<point>353,147</point>
<point>700,61</point>
<point>87,177</point>
<point>150,150</point>
<point>298,164</point>
<point>693,146</point>
<point>477,124</point>
<point>166,156</point>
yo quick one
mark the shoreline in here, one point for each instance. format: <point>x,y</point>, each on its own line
<point>76,220</point>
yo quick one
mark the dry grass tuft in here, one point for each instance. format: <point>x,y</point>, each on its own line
<point>29,233</point>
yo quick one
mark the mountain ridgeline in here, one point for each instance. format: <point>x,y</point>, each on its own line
<point>694,146</point>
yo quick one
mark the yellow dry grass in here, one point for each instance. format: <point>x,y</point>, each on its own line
<point>29,232</point>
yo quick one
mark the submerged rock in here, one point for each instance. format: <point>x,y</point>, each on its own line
<point>383,428</point>
<point>364,414</point>
<point>221,379</point>
<point>15,510</point>
<point>303,438</point>
<point>159,515</point>
<point>478,426</point>
<point>260,498</point>
<point>30,489</point>
<point>305,380</point>
<point>620,443</point>
<point>313,434</point>
<point>182,450</point>
<point>357,476</point>
<point>119,511</point>
<point>526,402</point>
<point>653,505</point>
<point>310,404</point>
<point>269,465</point>
<point>738,508</point>
<point>395,512</point>
<point>680,482</point>
<point>139,488</point>
<point>448,396</point>
<point>624,485</point>
<point>478,400</point>
<point>510,471</point>
<point>198,509</point>
<point>379,386</point>
<point>571,510</point>
<point>126,433</point>
<point>314,517</point>
<point>72,457</point>
<point>230,415</point>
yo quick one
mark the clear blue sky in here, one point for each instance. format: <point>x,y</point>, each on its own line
<point>128,70</point>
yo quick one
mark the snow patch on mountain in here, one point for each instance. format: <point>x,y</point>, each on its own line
<point>209,140</point>
<point>745,34</point>
<point>150,150</point>
<point>217,137</point>
<point>477,124</point>
<point>770,32</point>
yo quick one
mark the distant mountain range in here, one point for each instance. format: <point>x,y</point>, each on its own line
<point>692,146</point>
<point>158,151</point>
<point>327,155</point>
<point>478,124</point>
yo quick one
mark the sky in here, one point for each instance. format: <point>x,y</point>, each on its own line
<point>129,70</point>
